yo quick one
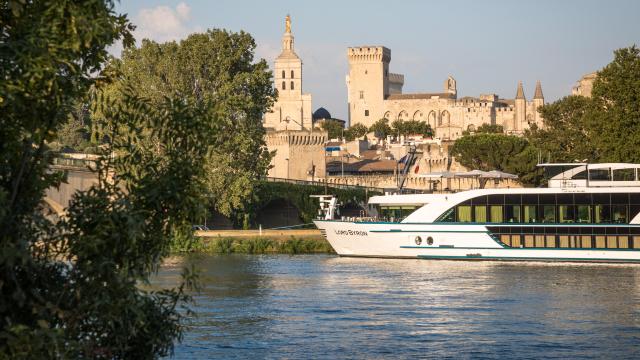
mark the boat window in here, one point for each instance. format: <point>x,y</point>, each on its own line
<point>512,213</point>
<point>495,213</point>
<point>602,214</point>
<point>449,216</point>
<point>395,213</point>
<point>582,175</point>
<point>549,214</point>
<point>565,213</point>
<point>529,213</point>
<point>619,214</point>
<point>624,174</point>
<point>583,214</point>
<point>600,175</point>
<point>464,213</point>
<point>480,213</point>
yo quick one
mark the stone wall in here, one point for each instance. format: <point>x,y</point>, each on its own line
<point>297,152</point>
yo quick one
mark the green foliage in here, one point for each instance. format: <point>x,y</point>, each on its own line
<point>333,128</point>
<point>74,134</point>
<point>486,129</point>
<point>72,289</point>
<point>262,245</point>
<point>507,153</point>
<point>222,246</point>
<point>563,139</point>
<point>215,69</point>
<point>355,131</point>
<point>615,112</point>
<point>411,127</point>
<point>605,127</point>
<point>381,128</point>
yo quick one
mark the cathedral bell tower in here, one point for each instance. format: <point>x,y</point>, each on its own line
<point>292,110</point>
<point>288,67</point>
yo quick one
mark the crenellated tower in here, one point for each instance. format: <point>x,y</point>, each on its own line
<point>368,83</point>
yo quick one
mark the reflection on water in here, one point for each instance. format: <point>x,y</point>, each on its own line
<point>283,306</point>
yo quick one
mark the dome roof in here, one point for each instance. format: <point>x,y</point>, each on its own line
<point>321,113</point>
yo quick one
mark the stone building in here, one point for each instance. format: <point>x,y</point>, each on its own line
<point>584,86</point>
<point>374,92</point>
<point>292,111</point>
<point>298,147</point>
<point>298,154</point>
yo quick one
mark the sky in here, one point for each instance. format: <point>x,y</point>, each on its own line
<point>487,46</point>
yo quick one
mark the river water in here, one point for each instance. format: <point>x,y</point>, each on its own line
<point>323,306</point>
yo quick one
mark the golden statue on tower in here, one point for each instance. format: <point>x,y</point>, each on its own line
<point>287,22</point>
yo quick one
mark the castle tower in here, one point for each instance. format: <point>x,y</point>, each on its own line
<point>368,83</point>
<point>538,101</point>
<point>292,111</point>
<point>450,86</point>
<point>521,109</point>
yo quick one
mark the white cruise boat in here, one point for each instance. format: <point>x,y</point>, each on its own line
<point>589,212</point>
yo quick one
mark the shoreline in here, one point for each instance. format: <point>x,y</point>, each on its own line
<point>308,241</point>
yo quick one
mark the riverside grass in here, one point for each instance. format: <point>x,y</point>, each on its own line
<point>262,245</point>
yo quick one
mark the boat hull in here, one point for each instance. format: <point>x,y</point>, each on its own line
<point>450,242</point>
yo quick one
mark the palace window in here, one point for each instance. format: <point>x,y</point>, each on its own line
<point>366,113</point>
<point>283,85</point>
<point>292,74</point>
<point>283,74</point>
<point>361,94</point>
<point>291,87</point>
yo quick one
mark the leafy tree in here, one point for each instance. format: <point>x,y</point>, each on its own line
<point>490,129</point>
<point>381,128</point>
<point>355,131</point>
<point>565,135</point>
<point>75,288</point>
<point>615,115</point>
<point>604,127</point>
<point>411,127</point>
<point>74,134</point>
<point>333,128</point>
<point>214,68</point>
<point>507,153</point>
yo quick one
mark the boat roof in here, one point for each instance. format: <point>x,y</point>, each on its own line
<point>405,199</point>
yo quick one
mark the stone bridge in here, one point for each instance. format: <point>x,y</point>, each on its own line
<point>79,178</point>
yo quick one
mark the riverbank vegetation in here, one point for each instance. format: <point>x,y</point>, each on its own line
<point>262,245</point>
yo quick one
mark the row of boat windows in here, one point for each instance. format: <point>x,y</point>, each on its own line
<point>395,213</point>
<point>541,213</point>
<point>607,175</point>
<point>547,208</point>
<point>571,241</point>
<point>521,229</point>
<point>556,199</point>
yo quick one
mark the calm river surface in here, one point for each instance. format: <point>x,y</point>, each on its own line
<point>322,306</point>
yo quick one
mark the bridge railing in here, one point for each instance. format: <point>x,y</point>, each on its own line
<point>73,162</point>
<point>343,186</point>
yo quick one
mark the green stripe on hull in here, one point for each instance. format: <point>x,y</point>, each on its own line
<point>431,231</point>
<point>505,248</point>
<point>516,258</point>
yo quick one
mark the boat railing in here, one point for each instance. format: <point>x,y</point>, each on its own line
<point>371,219</point>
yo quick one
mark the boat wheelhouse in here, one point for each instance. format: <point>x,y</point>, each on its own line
<point>589,212</point>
